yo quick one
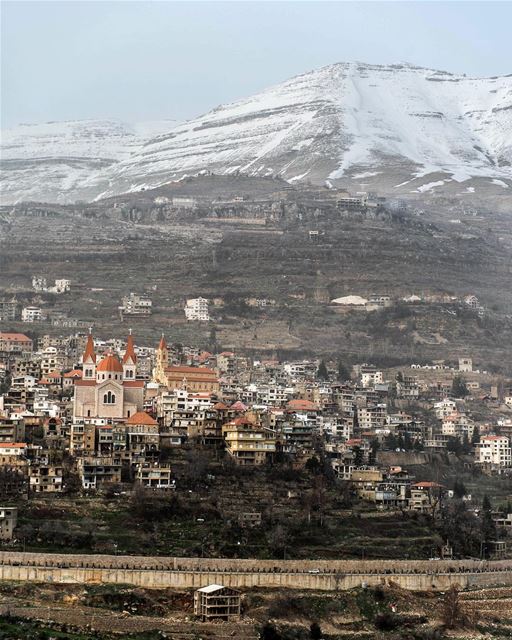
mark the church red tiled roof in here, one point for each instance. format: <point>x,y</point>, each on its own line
<point>110,363</point>
<point>89,349</point>
<point>130,351</point>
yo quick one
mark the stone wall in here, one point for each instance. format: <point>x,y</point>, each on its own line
<point>185,573</point>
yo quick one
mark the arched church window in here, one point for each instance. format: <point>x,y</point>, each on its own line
<point>109,398</point>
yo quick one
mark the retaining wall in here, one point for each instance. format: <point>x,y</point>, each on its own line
<point>184,573</point>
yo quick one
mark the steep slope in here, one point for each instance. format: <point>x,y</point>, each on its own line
<point>64,161</point>
<point>345,120</point>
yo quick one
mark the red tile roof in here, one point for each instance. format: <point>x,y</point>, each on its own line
<point>175,369</point>
<point>110,363</point>
<point>89,349</point>
<point>75,373</point>
<point>141,417</point>
<point>130,350</point>
<point>301,405</point>
<point>19,337</point>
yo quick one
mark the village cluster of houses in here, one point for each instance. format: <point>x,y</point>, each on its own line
<point>113,407</point>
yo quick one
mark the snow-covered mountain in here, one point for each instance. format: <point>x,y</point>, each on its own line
<point>396,127</point>
<point>66,161</point>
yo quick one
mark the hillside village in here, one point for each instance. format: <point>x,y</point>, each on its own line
<point>80,416</point>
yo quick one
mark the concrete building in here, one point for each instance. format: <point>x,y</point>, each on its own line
<point>216,602</point>
<point>8,521</point>
<point>15,342</point>
<point>45,478</point>
<point>248,443</point>
<point>31,314</point>
<point>465,365</point>
<point>197,309</point>
<point>95,472</point>
<point>8,310</point>
<point>155,476</point>
<point>494,451</point>
<point>136,305</point>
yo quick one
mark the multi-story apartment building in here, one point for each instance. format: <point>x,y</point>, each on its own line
<point>8,310</point>
<point>154,476</point>
<point>458,425</point>
<point>372,417</point>
<point>197,309</point>
<point>136,305</point>
<point>45,478</point>
<point>31,314</point>
<point>248,443</point>
<point>494,451</point>
<point>15,342</point>
<point>96,471</point>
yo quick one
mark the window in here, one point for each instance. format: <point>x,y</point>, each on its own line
<point>109,398</point>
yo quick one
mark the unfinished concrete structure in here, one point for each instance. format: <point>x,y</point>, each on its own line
<point>216,602</point>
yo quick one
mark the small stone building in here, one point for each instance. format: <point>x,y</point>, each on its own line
<point>216,602</point>
<point>8,521</point>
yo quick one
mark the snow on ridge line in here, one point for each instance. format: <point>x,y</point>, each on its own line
<point>342,121</point>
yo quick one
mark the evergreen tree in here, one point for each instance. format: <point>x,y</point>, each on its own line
<point>475,438</point>
<point>488,528</point>
<point>418,445</point>
<point>459,387</point>
<point>374,447</point>
<point>391,442</point>
<point>322,373</point>
<point>459,490</point>
<point>343,372</point>
<point>466,444</point>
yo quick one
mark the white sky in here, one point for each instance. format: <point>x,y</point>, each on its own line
<point>139,61</point>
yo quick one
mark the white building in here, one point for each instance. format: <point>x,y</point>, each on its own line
<point>38,283</point>
<point>197,309</point>
<point>494,450</point>
<point>61,286</point>
<point>465,365</point>
<point>370,376</point>
<point>444,408</point>
<point>31,314</point>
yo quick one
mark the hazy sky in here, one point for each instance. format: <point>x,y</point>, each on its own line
<point>156,60</point>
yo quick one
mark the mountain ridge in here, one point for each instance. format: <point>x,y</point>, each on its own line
<point>393,128</point>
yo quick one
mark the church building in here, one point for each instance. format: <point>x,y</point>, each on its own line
<point>195,379</point>
<point>109,390</point>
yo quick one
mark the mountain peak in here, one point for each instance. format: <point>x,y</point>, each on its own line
<point>394,126</point>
